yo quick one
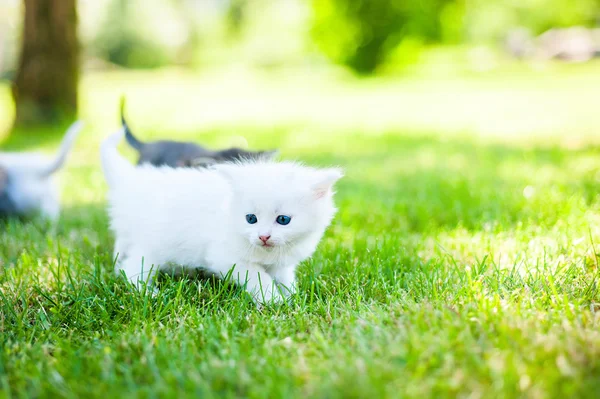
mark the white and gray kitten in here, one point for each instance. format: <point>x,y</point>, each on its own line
<point>27,180</point>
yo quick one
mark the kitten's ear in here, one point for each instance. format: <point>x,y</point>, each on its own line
<point>326,178</point>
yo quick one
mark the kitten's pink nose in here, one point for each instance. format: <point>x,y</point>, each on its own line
<point>264,239</point>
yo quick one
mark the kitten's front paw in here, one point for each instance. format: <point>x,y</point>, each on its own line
<point>271,297</point>
<point>287,291</point>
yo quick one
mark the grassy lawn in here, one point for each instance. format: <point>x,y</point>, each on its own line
<point>462,261</point>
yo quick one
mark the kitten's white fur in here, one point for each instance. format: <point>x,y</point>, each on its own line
<point>197,218</point>
<point>32,187</point>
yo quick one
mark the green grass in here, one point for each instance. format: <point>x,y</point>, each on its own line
<point>462,261</point>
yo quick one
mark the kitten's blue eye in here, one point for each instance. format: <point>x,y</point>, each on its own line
<point>283,220</point>
<point>251,218</point>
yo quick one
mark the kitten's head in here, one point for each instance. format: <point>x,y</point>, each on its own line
<point>280,204</point>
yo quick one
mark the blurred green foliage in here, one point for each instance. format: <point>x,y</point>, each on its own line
<point>144,33</point>
<point>361,33</point>
<point>122,42</point>
<point>236,17</point>
<point>487,20</point>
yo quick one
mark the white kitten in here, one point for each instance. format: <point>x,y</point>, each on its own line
<point>30,185</point>
<point>262,217</point>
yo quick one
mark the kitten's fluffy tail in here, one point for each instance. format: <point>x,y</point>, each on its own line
<point>131,139</point>
<point>65,147</point>
<point>114,166</point>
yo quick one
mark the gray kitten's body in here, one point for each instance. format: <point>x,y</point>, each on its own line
<point>185,154</point>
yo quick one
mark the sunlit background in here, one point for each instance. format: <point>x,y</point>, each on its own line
<point>491,67</point>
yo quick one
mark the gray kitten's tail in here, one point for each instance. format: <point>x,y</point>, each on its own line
<point>131,139</point>
<point>65,147</point>
<point>114,166</point>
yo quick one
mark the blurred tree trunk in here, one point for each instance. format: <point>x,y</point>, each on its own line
<point>45,88</point>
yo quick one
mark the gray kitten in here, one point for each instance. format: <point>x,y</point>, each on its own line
<point>185,154</point>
